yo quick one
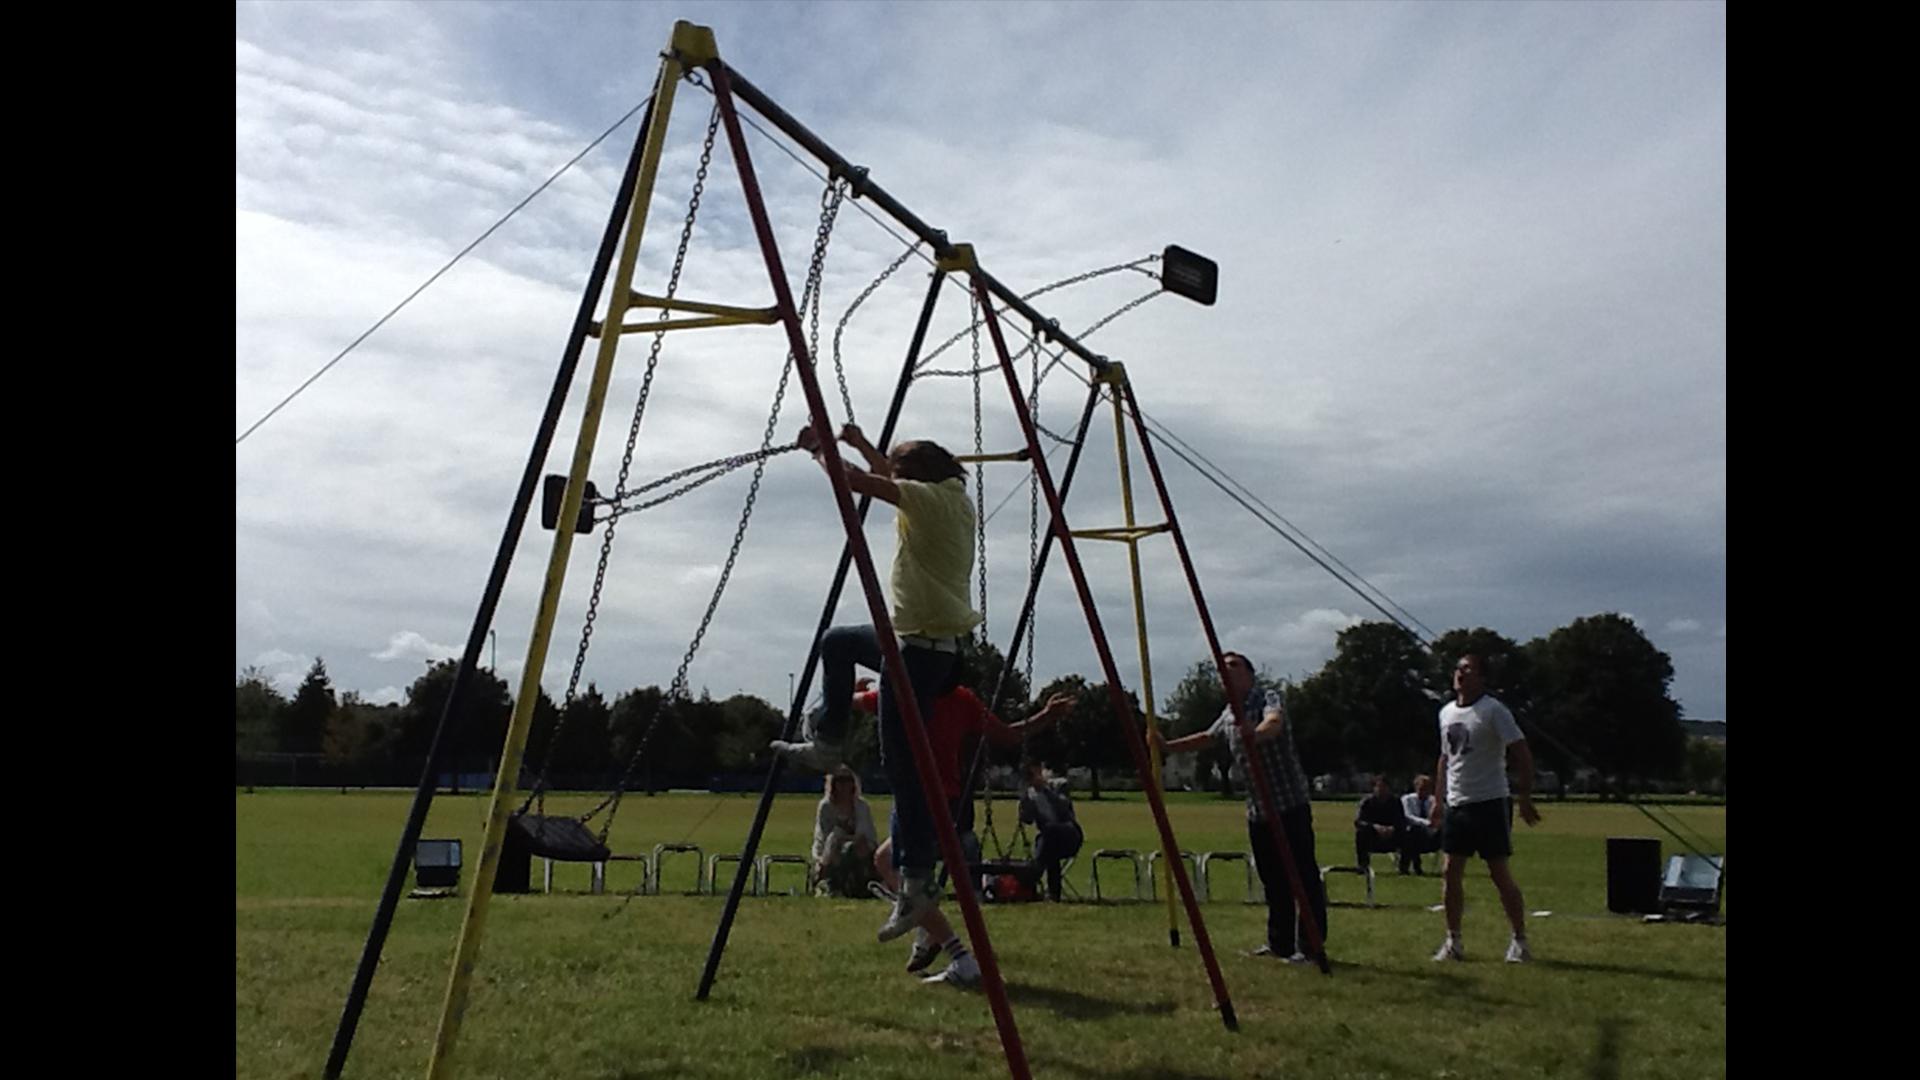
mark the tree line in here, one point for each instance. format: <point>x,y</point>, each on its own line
<point>1592,694</point>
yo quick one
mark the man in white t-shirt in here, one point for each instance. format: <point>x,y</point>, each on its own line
<point>1478,739</point>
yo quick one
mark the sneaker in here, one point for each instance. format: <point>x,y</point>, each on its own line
<point>963,974</point>
<point>817,755</point>
<point>924,950</point>
<point>1450,950</point>
<point>1517,951</point>
<point>916,899</point>
<point>881,892</point>
<point>1299,958</point>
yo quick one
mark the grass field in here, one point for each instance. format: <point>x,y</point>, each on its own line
<point>602,987</point>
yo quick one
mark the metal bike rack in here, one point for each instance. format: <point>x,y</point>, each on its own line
<point>767,863</point>
<point>1153,882</point>
<point>1256,892</point>
<point>650,882</point>
<point>1129,855</point>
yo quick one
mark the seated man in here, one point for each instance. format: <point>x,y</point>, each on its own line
<point>1420,837</point>
<point>1047,807</point>
<point>1378,824</point>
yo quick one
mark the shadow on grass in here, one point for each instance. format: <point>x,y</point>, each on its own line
<point>1606,1050</point>
<point>812,1060</point>
<point>1065,1066</point>
<point>1636,972</point>
<point>1078,1006</point>
<point>1447,979</point>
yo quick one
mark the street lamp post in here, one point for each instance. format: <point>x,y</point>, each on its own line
<point>493,644</point>
<point>789,689</point>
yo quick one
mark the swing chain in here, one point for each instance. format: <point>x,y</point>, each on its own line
<point>538,794</point>
<point>677,689</point>
<point>1033,341</point>
<point>839,368</point>
<point>720,467</point>
<point>1033,515</point>
<point>979,469</point>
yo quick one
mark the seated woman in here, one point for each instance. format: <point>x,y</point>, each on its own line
<point>843,837</point>
<point>1050,811</point>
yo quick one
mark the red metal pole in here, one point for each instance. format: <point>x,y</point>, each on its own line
<point>870,582</point>
<point>1263,786</point>
<point>1122,709</point>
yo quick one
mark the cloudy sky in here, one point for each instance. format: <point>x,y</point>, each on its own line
<point>1471,334</point>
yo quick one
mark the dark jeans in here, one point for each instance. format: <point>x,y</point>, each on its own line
<point>1415,841</point>
<point>843,647</point>
<point>1282,920</point>
<point>1366,841</point>
<point>1056,844</point>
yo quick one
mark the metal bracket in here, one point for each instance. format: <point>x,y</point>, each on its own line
<point>959,258</point>
<point>693,44</point>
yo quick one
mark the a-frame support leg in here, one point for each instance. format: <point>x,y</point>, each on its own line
<point>1123,710</point>
<point>896,668</point>
<point>1262,782</point>
<point>796,706</point>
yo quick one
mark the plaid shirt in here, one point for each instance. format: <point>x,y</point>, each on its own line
<point>1277,757</point>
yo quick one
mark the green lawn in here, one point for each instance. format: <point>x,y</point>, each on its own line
<point>597,987</point>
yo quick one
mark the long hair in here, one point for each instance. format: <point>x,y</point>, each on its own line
<point>926,461</point>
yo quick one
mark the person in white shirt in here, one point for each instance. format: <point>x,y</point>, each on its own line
<point>1478,739</point>
<point>844,838</point>
<point>1420,837</point>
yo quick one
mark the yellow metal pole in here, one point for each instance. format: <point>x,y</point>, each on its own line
<point>473,928</point>
<point>1116,377</point>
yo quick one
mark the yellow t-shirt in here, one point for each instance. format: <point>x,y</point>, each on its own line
<point>930,569</point>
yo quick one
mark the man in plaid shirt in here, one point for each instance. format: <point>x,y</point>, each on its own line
<point>1273,740</point>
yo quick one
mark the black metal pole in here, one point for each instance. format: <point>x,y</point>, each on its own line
<point>794,707</point>
<point>483,619</point>
<point>865,188</point>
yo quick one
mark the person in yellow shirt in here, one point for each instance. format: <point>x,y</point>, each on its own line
<point>931,613</point>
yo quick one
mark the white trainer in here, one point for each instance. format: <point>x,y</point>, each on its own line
<point>1517,951</point>
<point>915,900</point>
<point>1450,950</point>
<point>963,973</point>
<point>819,756</point>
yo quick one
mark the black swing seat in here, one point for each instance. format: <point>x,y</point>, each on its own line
<point>563,839</point>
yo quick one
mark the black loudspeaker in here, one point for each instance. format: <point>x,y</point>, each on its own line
<point>1633,875</point>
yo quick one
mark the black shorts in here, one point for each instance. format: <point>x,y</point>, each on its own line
<point>1482,828</point>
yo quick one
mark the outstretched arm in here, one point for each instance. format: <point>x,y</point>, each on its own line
<point>1005,734</point>
<point>877,483</point>
<point>1199,740</point>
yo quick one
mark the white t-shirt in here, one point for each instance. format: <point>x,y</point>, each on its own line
<point>1474,739</point>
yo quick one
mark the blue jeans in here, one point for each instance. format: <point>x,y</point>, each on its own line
<point>914,847</point>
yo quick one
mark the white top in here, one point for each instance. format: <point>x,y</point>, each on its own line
<point>1474,739</point>
<point>1417,807</point>
<point>829,826</point>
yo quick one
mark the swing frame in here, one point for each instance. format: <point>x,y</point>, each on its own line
<point>692,47</point>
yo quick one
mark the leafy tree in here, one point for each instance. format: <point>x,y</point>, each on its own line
<point>303,723</point>
<point>627,725</point>
<point>477,734</point>
<point>1089,735</point>
<point>256,712</point>
<point>1601,687</point>
<point>583,745</point>
<point>1367,708</point>
<point>748,723</point>
<point>356,732</point>
<point>1707,764</point>
<point>1195,703</point>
